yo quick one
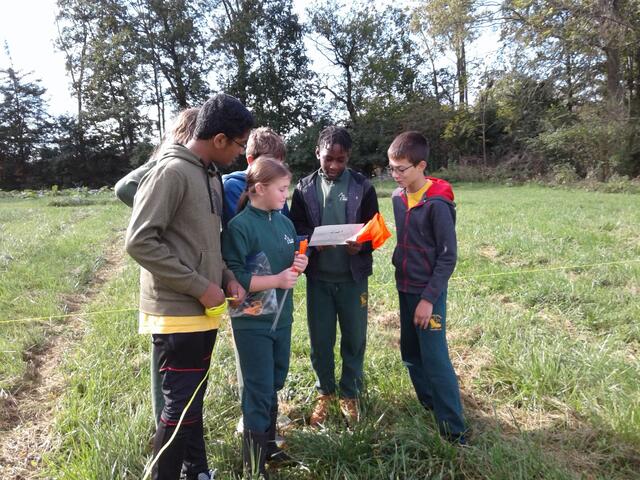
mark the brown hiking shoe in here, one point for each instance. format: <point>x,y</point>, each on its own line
<point>321,410</point>
<point>349,408</point>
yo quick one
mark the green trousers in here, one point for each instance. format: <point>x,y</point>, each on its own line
<point>329,303</point>
<point>264,361</point>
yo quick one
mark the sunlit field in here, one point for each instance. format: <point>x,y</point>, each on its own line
<point>543,329</point>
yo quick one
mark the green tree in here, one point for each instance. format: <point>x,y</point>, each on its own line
<point>113,91</point>
<point>370,53</point>
<point>451,24</point>
<point>24,125</point>
<point>76,22</point>
<point>173,40</point>
<point>260,43</point>
<point>592,47</point>
<point>547,34</point>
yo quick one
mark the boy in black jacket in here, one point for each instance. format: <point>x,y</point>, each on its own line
<point>337,277</point>
<point>425,258</point>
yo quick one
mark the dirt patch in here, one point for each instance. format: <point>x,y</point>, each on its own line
<point>28,412</point>
<point>489,251</point>
<point>386,320</point>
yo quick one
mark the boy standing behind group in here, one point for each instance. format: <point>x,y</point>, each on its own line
<point>262,141</point>
<point>337,277</point>
<point>425,258</point>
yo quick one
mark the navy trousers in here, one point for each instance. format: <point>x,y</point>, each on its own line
<point>426,355</point>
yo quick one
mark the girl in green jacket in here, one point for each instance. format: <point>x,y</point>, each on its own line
<point>261,232</point>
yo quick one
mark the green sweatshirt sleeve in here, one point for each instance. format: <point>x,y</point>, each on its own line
<point>235,248</point>
<point>157,200</point>
<point>127,186</point>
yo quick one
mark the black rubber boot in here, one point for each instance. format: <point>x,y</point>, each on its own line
<point>254,454</point>
<point>275,454</point>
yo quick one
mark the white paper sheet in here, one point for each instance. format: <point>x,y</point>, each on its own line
<point>334,234</point>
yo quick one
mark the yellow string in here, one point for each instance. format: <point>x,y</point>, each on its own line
<point>536,270</point>
<point>220,309</point>
<point>77,314</point>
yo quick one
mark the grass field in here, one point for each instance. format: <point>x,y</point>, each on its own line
<point>48,254</point>
<point>542,325</point>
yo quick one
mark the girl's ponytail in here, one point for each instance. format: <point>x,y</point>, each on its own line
<point>242,201</point>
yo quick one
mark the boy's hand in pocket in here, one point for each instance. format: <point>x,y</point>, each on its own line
<point>423,313</point>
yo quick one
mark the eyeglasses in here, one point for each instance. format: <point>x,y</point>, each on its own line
<point>399,170</point>
<point>243,145</point>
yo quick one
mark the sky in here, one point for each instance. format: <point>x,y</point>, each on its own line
<point>28,28</point>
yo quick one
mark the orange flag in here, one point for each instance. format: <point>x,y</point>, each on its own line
<point>375,230</point>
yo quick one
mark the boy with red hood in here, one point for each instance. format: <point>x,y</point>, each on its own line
<point>424,259</point>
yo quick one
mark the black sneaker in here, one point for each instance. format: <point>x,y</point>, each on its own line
<point>279,457</point>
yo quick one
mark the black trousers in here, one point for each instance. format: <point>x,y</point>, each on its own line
<point>182,361</point>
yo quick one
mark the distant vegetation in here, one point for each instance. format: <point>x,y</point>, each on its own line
<point>557,96</point>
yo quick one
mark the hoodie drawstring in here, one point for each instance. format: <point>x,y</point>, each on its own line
<point>207,174</point>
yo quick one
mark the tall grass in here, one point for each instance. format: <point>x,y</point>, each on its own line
<point>47,254</point>
<point>547,360</point>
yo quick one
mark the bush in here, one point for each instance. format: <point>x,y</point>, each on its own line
<point>564,174</point>
<point>593,146</point>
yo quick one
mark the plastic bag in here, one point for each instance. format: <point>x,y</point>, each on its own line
<point>264,302</point>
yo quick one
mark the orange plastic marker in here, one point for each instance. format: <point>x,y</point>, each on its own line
<point>303,250</point>
<point>303,246</point>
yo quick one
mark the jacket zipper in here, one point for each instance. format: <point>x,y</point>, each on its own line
<point>206,179</point>
<point>404,249</point>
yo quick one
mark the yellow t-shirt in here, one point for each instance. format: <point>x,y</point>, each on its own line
<point>166,324</point>
<point>415,197</point>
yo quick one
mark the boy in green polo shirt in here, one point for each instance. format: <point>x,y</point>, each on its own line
<point>337,277</point>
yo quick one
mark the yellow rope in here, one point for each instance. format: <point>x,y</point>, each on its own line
<point>536,270</point>
<point>221,308</point>
<point>76,314</point>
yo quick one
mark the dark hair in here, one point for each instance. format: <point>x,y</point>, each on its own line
<point>335,136</point>
<point>264,141</point>
<point>265,170</point>
<point>411,146</point>
<point>222,113</point>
